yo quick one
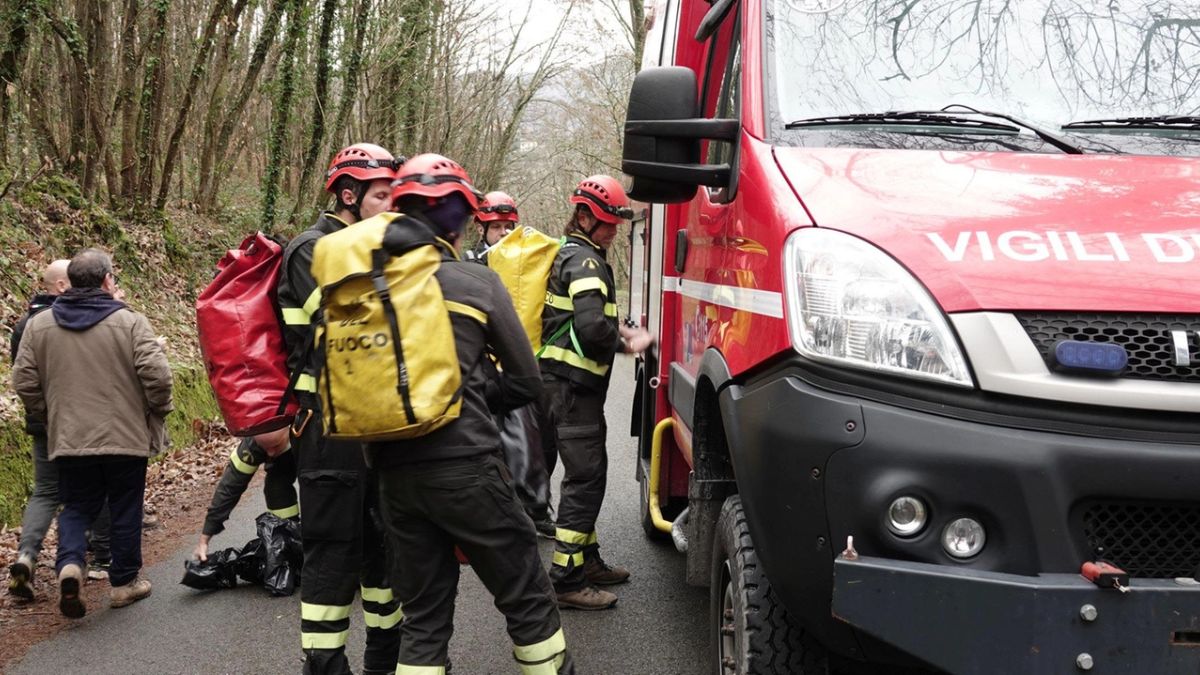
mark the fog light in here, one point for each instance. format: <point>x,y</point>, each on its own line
<point>907,516</point>
<point>963,538</point>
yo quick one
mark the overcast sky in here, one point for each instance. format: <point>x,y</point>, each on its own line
<point>544,16</point>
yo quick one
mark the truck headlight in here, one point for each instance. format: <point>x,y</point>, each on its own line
<point>850,303</point>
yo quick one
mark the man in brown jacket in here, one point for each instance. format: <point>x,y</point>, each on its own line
<point>103,397</point>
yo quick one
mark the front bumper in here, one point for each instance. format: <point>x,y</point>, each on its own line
<point>971,622</point>
<point>814,466</point>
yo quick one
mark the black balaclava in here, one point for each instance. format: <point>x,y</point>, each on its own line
<point>449,215</point>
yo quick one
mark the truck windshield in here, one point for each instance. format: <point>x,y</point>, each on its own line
<point>1052,63</point>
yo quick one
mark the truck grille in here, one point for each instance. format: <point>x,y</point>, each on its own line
<point>1145,337</point>
<point>1146,539</point>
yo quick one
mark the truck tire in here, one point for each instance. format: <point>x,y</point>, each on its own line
<point>752,632</point>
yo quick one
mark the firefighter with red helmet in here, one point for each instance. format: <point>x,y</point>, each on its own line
<point>582,335</point>
<point>496,217</point>
<point>450,487</point>
<point>343,540</point>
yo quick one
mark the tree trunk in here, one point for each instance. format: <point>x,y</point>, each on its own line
<point>218,94</point>
<point>211,181</point>
<point>353,58</point>
<point>316,135</point>
<point>10,65</point>
<point>189,93</point>
<point>149,116</point>
<point>80,86</point>
<point>637,24</point>
<point>282,114</point>
<point>123,105</point>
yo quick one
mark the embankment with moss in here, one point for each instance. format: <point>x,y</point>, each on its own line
<point>162,262</point>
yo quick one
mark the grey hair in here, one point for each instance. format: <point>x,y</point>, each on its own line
<point>89,267</point>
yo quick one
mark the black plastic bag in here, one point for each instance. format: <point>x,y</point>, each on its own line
<point>283,554</point>
<point>521,441</point>
<point>215,573</point>
<point>249,566</point>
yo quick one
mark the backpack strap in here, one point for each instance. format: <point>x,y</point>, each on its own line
<point>562,330</point>
<point>379,258</point>
<point>290,392</point>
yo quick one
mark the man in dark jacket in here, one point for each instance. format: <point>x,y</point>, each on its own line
<point>450,487</point>
<point>92,370</point>
<point>343,543</point>
<point>579,323</point>
<point>43,503</point>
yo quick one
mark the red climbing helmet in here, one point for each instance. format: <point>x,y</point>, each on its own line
<point>497,206</point>
<point>363,162</point>
<point>432,175</point>
<point>605,197</point>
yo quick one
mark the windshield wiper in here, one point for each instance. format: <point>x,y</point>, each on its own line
<point>1046,136</point>
<point>1181,122</point>
<point>943,117</point>
<point>902,118</point>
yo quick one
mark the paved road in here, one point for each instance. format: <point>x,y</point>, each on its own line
<point>658,628</point>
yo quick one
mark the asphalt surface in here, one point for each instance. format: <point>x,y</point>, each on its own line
<point>657,628</point>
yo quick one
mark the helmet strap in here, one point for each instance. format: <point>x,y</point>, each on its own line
<point>360,193</point>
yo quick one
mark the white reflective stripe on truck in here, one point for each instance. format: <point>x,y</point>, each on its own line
<point>756,301</point>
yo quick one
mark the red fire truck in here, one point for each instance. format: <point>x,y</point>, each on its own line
<point>926,282</point>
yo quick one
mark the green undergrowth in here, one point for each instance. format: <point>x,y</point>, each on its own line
<point>162,260</point>
<point>194,405</point>
<point>16,470</point>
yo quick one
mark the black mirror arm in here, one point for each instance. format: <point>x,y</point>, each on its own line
<point>712,129</point>
<point>708,175</point>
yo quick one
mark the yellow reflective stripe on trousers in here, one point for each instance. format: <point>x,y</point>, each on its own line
<point>374,620</point>
<point>380,595</point>
<point>241,465</point>
<point>402,669</point>
<point>324,640</point>
<point>466,310</point>
<point>572,537</point>
<point>307,383</point>
<point>541,651</point>
<point>548,667</point>
<point>610,309</point>
<point>563,560</point>
<point>288,512</point>
<point>584,285</point>
<point>310,612</point>
<point>572,359</point>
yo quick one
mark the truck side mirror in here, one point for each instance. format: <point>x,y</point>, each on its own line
<point>662,137</point>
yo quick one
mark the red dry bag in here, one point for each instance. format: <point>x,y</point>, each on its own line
<point>237,318</point>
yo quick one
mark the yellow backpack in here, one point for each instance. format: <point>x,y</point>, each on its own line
<point>523,260</point>
<point>390,366</point>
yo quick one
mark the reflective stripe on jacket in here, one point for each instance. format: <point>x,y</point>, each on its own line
<point>579,320</point>
<point>299,296</point>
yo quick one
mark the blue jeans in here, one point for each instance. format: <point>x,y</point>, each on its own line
<point>83,485</point>
<point>43,505</point>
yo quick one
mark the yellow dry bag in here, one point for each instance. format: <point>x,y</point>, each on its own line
<point>390,366</point>
<point>523,260</point>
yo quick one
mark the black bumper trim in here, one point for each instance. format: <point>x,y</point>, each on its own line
<point>1028,624</point>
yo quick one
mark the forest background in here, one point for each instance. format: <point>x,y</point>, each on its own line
<point>165,131</point>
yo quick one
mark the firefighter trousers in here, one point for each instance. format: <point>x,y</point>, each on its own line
<point>573,421</point>
<point>428,509</point>
<point>344,552</point>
